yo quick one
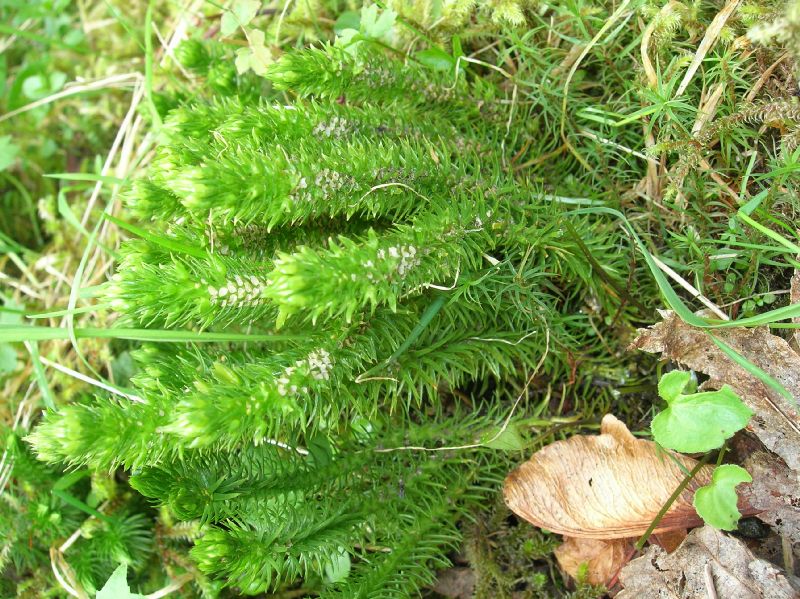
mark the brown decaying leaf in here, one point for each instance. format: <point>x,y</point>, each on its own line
<point>670,540</point>
<point>607,486</point>
<point>775,421</point>
<point>775,493</point>
<point>707,564</point>
<point>602,558</point>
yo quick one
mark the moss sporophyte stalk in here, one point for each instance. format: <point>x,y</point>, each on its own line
<point>366,211</point>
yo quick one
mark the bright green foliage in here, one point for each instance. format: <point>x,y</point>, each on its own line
<point>716,502</point>
<point>374,220</point>
<point>8,358</point>
<point>212,71</point>
<point>43,43</point>
<point>408,227</point>
<point>331,72</point>
<point>275,514</point>
<point>696,422</point>
<point>8,152</point>
<point>456,14</point>
<point>31,516</point>
<point>239,15</point>
<point>41,507</point>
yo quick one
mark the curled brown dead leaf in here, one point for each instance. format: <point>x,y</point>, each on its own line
<point>601,492</point>
<point>607,486</point>
<point>602,559</point>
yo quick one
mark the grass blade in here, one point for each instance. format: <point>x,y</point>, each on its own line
<point>751,368</point>
<point>21,333</point>
<point>38,373</point>
<point>165,242</point>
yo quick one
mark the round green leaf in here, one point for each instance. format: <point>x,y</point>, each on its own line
<point>34,87</point>
<point>239,15</point>
<point>8,152</point>
<point>716,503</point>
<point>117,586</point>
<point>674,384</point>
<point>8,359</point>
<point>508,439</point>
<point>697,422</point>
<point>349,19</point>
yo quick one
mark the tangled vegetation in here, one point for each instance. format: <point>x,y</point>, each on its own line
<point>344,267</point>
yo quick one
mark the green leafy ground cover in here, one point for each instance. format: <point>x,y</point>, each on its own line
<point>585,136</point>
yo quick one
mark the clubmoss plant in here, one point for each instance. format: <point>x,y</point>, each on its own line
<point>366,217</point>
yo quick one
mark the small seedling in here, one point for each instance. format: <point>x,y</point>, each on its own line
<point>700,422</point>
<point>696,422</point>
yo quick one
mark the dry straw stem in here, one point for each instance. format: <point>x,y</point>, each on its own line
<point>709,39</point>
<point>708,108</point>
<point>751,95</point>
<point>647,64</point>
<point>690,288</point>
<point>124,80</point>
